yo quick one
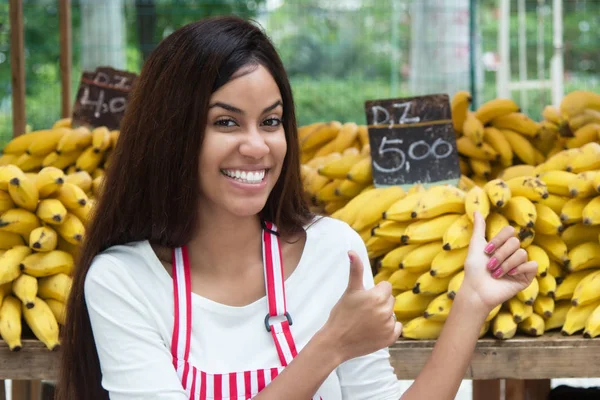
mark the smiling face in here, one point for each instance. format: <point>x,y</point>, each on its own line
<point>244,144</point>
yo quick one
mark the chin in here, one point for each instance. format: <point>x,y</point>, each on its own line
<point>246,208</point>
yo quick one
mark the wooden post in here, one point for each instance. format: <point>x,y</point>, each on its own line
<point>17,64</point>
<point>64,14</point>
<point>486,389</point>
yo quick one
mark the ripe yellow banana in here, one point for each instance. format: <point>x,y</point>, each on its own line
<point>390,230</point>
<point>547,283</point>
<point>592,324</point>
<point>51,211</point>
<point>45,144</point>
<point>8,240</point>
<point>19,221</point>
<point>481,168</point>
<point>583,185</point>
<point>439,308</point>
<point>61,161</point>
<point>517,122</point>
<point>554,246</point>
<point>519,310</point>
<point>465,168</point>
<point>10,261</point>
<point>577,101</point>
<point>402,209</point>
<point>89,160</point>
<point>591,212</point>
<point>58,310</point>
<point>410,305</point>
<point>565,290</point>
<point>537,254</point>
<point>596,183</point>
<point>577,317</point>
<point>557,320</point>
<point>98,185</point>
<point>555,202</point>
<point>587,160</point>
<point>576,234</point>
<point>362,171</point>
<point>495,222</point>
<point>503,326</point>
<point>100,139</point>
<point>383,275</point>
<point>6,159</point>
<point>98,172</point>
<point>455,284</point>
<point>321,135</point>
<point>467,148</point>
<point>586,134</point>
<point>547,222</point>
<point>533,325</point>
<point>477,200</point>
<point>82,179</point>
<point>380,202</point>
<point>25,289</point>
<point>558,182</point>
<point>420,258</point>
<point>355,206</point>
<point>498,192</point>
<point>338,169</point>
<point>347,135</point>
<point>448,263</point>
<point>520,146</point>
<point>588,116</point>
<point>330,208</point>
<point>326,149</point>
<point>524,234</point>
<point>8,172</point>
<point>572,211</point>
<point>394,258</point>
<point>71,196</point>
<point>72,229</point>
<point>313,182</point>
<point>516,171</point>
<point>438,200</point>
<point>458,235</point>
<point>544,306</point>
<point>547,138</point>
<point>40,265</point>
<point>403,280</point>
<point>529,294</point>
<point>527,186</point>
<point>431,285</point>
<point>21,143</point>
<point>303,131</point>
<point>55,287</point>
<point>75,140</point>
<point>460,107</point>
<point>377,247</point>
<point>584,256</point>
<point>493,313</point>
<point>24,193</point>
<point>496,108</point>
<point>587,290</point>
<point>43,239</point>
<point>422,328</point>
<point>10,322</point>
<point>49,181</point>
<point>43,324</point>
<point>496,139</point>
<point>473,129</point>
<point>6,202</point>
<point>29,163</point>
<point>429,230</point>
<point>552,114</point>
<point>520,210</point>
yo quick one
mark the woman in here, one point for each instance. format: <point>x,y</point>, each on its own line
<point>180,288</point>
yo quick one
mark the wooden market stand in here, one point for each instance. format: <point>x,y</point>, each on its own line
<point>527,364</point>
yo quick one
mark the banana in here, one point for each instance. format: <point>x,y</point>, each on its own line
<point>402,209</point>
<point>25,289</point>
<point>498,192</point>
<point>98,172</point>
<point>355,206</point>
<point>496,108</point>
<point>587,116</point>
<point>330,208</point>
<point>390,230</point>
<point>473,129</point>
<point>554,246</point>
<point>596,183</point>
<point>537,254</point>
<point>362,171</point>
<point>328,148</point>
<point>24,193</point>
<point>495,222</point>
<point>421,257</point>
<point>557,182</point>
<point>75,140</point>
<point>431,285</point>
<point>51,211</point>
<point>47,143</point>
<point>82,179</point>
<point>61,161</point>
<point>6,202</point>
<point>448,263</point>
<point>381,201</point>
<point>572,211</point>
<point>347,135</point>
<point>481,168</point>
<point>559,161</point>
<point>517,122</point>
<point>71,196</point>
<point>584,135</point>
<point>72,229</point>
<point>477,200</point>
<point>533,325</point>
<point>557,320</point>
<point>584,256</point>
<point>410,305</point>
<point>587,290</point>
<point>577,101</point>
<point>547,283</point>
<point>440,200</point>
<point>503,326</point>
<point>338,169</point>
<point>40,265</point>
<point>321,135</point>
<point>530,293</point>
<point>377,246</point>
<point>43,324</point>
<point>100,139</point>
<point>19,221</point>
<point>43,239</point>
<point>403,280</point>
<point>9,240</point>
<point>424,231</point>
<point>544,306</point>
<point>467,148</point>
<point>58,310</point>
<point>591,212</point>
<point>552,114</point>
<point>55,287</point>
<point>21,143</point>
<point>346,190</point>
<point>520,146</point>
<point>98,185</point>
<point>565,290</point>
<point>382,275</point>
<point>524,234</point>
<point>458,234</point>
<point>583,185</point>
<point>6,159</point>
<point>7,173</point>
<point>68,247</point>
<point>547,222</point>
<point>520,210</point>
<point>493,313</point>
<point>517,171</point>
<point>592,324</point>
<point>10,322</point>
<point>577,234</point>
<point>546,140</point>
<point>577,317</point>
<point>49,181</point>
<point>439,308</point>
<point>589,159</point>
<point>363,135</point>
<point>29,163</point>
<point>62,123</point>
<point>455,284</point>
<point>5,290</point>
<point>527,186</point>
<point>421,328</point>
<point>460,107</point>
<point>519,310</point>
<point>89,160</point>
<point>555,202</point>
<point>394,258</point>
<point>465,168</point>
<point>10,261</point>
<point>305,130</point>
<point>313,182</point>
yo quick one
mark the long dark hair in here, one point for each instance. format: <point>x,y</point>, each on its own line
<point>152,185</point>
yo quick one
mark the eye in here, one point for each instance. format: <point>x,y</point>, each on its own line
<point>226,123</point>
<point>272,122</point>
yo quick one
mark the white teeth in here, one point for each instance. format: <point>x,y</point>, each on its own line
<point>251,176</point>
<point>246,177</point>
<point>243,176</point>
<point>238,174</point>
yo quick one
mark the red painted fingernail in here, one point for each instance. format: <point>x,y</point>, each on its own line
<point>497,272</point>
<point>512,271</point>
<point>350,257</point>
<point>492,264</point>
<point>489,248</point>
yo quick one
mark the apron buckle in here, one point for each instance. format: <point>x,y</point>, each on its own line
<point>268,318</point>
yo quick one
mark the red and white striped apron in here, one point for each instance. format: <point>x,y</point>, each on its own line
<point>234,385</point>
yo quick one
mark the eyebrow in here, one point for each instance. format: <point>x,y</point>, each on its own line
<point>236,110</point>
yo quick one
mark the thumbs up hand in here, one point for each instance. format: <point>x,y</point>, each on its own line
<point>362,321</point>
<point>498,270</point>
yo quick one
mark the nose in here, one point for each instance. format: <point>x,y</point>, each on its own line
<point>254,144</point>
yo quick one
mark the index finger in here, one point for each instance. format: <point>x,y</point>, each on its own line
<point>506,233</point>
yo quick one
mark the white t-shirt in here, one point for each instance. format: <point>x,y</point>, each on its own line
<point>129,297</point>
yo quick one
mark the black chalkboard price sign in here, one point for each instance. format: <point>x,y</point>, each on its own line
<point>102,97</point>
<point>412,141</point>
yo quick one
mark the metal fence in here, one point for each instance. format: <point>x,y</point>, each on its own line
<point>338,53</point>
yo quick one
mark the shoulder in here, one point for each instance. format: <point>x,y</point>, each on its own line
<point>334,231</point>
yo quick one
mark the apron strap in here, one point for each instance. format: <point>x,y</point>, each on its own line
<point>278,320</point>
<point>182,325</point>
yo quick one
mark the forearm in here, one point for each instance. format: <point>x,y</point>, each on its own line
<point>306,373</point>
<point>445,368</point>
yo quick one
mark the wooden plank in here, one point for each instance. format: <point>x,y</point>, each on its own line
<point>515,389</point>
<point>486,389</point>
<point>537,389</point>
<point>2,389</point>
<point>33,361</point>
<point>21,390</point>
<point>549,356</point>
<point>17,66</point>
<point>65,26</point>
<point>35,390</point>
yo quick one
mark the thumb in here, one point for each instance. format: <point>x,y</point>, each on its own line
<point>478,226</point>
<point>355,281</point>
